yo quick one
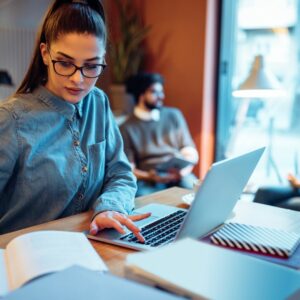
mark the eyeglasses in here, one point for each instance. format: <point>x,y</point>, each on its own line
<point>65,68</point>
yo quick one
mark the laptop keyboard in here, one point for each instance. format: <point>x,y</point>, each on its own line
<point>160,232</point>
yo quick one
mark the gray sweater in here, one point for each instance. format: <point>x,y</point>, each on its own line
<point>149,143</point>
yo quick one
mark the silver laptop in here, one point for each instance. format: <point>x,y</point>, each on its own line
<point>213,203</point>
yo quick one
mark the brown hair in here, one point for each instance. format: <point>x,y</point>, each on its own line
<point>63,16</point>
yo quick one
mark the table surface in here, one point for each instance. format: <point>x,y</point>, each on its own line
<point>115,256</point>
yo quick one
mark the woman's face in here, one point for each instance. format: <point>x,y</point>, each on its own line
<point>79,49</point>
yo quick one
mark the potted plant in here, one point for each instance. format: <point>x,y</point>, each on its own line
<point>126,53</point>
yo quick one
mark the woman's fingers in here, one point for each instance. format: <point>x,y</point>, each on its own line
<point>106,220</point>
<point>94,228</point>
<point>111,219</point>
<point>128,222</point>
<point>133,228</point>
<point>139,217</point>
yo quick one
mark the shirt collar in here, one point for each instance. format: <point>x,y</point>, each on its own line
<point>79,108</point>
<point>152,115</point>
<point>65,108</point>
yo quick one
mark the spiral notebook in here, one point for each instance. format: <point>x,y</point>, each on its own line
<point>256,239</point>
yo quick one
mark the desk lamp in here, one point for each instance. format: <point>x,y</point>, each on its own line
<point>260,83</point>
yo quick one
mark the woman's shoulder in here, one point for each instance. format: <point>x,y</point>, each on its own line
<point>97,97</point>
<point>15,103</point>
<point>98,93</point>
<point>97,104</point>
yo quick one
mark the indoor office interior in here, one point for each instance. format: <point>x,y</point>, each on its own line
<point>206,50</point>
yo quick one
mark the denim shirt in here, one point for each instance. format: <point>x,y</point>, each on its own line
<point>58,159</point>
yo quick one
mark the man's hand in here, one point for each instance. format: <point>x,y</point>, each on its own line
<point>294,182</point>
<point>116,220</point>
<point>165,178</point>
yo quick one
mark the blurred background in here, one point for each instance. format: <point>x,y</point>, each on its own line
<point>206,50</point>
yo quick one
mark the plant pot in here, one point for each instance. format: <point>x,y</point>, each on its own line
<point>121,102</point>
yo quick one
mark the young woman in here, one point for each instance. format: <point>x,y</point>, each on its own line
<point>61,152</point>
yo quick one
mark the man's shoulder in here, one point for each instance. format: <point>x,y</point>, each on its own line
<point>169,111</point>
<point>132,120</point>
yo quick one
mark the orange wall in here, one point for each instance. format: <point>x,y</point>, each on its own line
<point>182,47</point>
<point>177,49</point>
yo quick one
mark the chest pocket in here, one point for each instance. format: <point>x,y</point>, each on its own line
<point>96,159</point>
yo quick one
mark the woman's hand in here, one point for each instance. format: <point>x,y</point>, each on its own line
<point>116,220</point>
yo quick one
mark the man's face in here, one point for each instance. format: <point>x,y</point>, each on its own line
<point>154,96</point>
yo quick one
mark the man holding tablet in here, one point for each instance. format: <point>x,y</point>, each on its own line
<point>156,138</point>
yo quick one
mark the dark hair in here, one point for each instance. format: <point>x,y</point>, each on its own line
<point>63,16</point>
<point>139,83</point>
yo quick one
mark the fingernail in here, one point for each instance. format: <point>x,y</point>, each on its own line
<point>93,229</point>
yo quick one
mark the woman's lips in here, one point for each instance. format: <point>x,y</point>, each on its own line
<point>74,91</point>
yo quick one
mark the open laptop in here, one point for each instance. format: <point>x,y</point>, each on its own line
<point>213,203</point>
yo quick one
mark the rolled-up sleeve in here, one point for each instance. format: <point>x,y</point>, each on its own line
<point>119,186</point>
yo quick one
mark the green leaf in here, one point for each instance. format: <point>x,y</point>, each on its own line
<point>126,53</point>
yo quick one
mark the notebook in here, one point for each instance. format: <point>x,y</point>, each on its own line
<point>268,241</point>
<point>214,201</point>
<point>201,271</point>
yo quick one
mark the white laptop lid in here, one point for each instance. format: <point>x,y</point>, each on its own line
<point>218,194</point>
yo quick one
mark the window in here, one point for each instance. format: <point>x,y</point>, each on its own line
<point>268,28</point>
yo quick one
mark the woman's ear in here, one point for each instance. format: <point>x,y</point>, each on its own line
<point>44,53</point>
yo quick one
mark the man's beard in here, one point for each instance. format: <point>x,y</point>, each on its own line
<point>156,105</point>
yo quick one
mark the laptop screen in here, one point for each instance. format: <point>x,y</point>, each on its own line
<point>218,194</point>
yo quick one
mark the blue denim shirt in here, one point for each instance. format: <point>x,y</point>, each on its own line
<point>58,159</point>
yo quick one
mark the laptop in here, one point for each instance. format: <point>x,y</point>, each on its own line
<point>212,205</point>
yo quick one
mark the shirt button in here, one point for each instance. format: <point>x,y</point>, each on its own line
<point>76,143</point>
<point>80,196</point>
<point>84,169</point>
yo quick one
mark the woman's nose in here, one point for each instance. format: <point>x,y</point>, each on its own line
<point>77,76</point>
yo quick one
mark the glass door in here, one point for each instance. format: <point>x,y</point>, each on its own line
<point>268,30</point>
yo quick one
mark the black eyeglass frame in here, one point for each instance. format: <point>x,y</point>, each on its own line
<point>104,65</point>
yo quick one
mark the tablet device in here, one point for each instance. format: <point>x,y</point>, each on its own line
<point>174,163</point>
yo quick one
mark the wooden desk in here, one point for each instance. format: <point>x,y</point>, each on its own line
<point>114,256</point>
